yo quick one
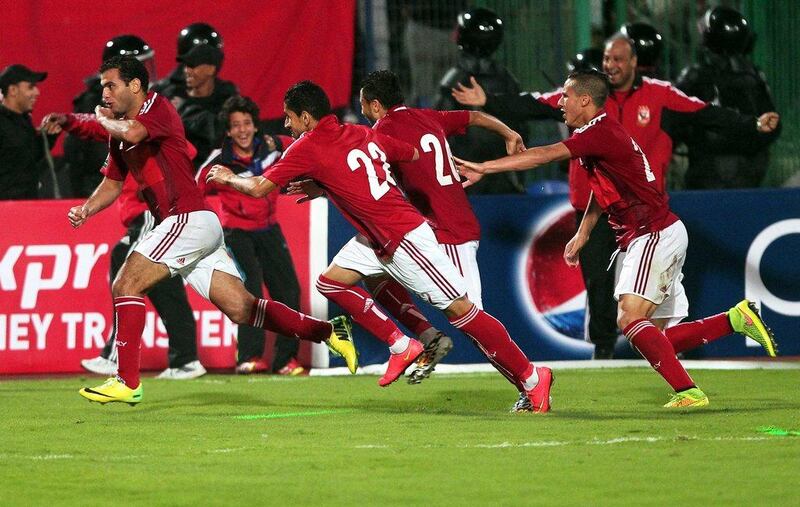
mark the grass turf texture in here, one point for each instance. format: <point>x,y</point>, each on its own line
<point>344,441</point>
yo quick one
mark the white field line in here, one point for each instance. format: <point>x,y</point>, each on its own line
<point>689,364</point>
<point>561,443</point>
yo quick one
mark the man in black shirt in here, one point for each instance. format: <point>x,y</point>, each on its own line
<point>21,147</point>
<point>205,95</point>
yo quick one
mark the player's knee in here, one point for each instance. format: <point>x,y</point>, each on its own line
<point>239,313</point>
<point>124,287</point>
<point>625,318</point>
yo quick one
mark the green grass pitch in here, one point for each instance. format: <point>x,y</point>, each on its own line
<point>448,441</point>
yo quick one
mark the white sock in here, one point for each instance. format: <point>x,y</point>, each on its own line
<point>531,381</point>
<point>400,345</point>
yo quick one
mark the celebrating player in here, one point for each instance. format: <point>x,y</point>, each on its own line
<point>148,141</point>
<point>433,186</point>
<point>651,298</point>
<point>351,163</point>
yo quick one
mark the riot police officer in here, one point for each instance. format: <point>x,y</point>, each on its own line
<point>725,75</point>
<point>174,85</point>
<point>478,34</point>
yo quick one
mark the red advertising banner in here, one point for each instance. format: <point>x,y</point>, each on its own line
<point>55,301</point>
<point>268,45</point>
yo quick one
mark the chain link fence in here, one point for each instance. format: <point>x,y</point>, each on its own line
<point>542,35</point>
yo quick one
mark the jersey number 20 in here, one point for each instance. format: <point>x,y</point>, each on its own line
<point>357,158</point>
<point>430,142</point>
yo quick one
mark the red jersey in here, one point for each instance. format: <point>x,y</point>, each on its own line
<point>621,179</point>
<point>431,182</point>
<point>639,110</point>
<point>160,164</point>
<point>351,162</point>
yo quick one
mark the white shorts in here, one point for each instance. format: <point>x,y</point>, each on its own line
<point>191,245</point>
<point>418,263</point>
<point>464,257</point>
<point>652,269</point>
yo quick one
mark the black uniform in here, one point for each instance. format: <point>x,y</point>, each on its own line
<point>480,144</point>
<point>85,157</point>
<point>21,155</point>
<point>715,160</point>
<point>174,85</point>
<point>200,117</point>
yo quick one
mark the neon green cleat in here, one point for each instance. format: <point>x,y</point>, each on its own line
<point>113,390</point>
<point>745,319</point>
<point>341,342</point>
<point>689,398</point>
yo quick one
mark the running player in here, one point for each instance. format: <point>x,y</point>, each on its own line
<point>351,163</point>
<point>651,298</point>
<point>433,186</point>
<point>148,141</point>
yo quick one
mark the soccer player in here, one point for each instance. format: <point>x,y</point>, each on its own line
<point>146,139</point>
<point>651,298</point>
<point>433,186</point>
<point>352,163</point>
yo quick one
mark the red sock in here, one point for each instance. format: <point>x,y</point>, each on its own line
<point>274,316</point>
<point>690,335</point>
<point>358,303</point>
<point>655,347</point>
<point>397,301</point>
<point>130,325</point>
<point>491,337</point>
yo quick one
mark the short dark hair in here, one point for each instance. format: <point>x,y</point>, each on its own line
<point>129,69</point>
<point>593,83</point>
<point>309,97</point>
<point>383,86</point>
<point>238,104</point>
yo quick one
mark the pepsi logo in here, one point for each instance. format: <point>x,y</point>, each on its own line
<point>554,293</point>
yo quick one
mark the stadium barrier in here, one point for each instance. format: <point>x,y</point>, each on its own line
<point>55,303</point>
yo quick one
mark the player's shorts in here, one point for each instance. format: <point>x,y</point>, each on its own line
<point>190,245</point>
<point>418,263</point>
<point>464,257</point>
<point>652,269</point>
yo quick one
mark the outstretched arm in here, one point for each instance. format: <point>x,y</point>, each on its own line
<point>514,142</point>
<point>578,241</point>
<point>528,159</point>
<point>256,186</point>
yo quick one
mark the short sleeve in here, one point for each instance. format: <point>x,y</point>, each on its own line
<point>114,168</point>
<point>586,142</point>
<point>156,118</point>
<point>396,150</point>
<point>452,122</point>
<point>296,161</point>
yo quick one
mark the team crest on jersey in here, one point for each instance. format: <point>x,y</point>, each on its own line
<point>643,116</point>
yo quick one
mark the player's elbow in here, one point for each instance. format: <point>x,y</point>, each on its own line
<point>416,155</point>
<point>135,134</point>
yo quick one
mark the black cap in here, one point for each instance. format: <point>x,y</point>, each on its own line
<point>16,73</point>
<point>204,53</point>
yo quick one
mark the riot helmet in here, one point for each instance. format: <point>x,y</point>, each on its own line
<point>196,34</point>
<point>725,31</point>
<point>479,32</point>
<point>647,43</point>
<point>132,45</point>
